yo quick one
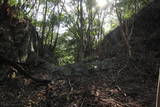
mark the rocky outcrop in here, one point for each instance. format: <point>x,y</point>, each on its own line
<point>16,38</point>
<point>144,40</point>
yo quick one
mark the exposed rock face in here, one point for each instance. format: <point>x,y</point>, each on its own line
<point>145,39</point>
<point>17,38</point>
<point>14,41</point>
<point>111,43</point>
<point>146,31</point>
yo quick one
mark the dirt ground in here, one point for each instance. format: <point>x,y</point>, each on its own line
<point>119,86</point>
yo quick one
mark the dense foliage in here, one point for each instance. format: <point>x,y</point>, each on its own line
<point>73,29</point>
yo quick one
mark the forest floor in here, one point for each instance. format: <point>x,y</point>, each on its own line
<point>115,87</point>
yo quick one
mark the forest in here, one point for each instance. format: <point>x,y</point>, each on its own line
<point>79,53</point>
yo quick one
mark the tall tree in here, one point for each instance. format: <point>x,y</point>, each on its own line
<point>44,23</point>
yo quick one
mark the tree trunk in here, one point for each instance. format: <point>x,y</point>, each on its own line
<point>82,41</point>
<point>158,92</point>
<point>56,39</point>
<point>44,24</point>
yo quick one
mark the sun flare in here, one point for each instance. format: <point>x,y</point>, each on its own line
<point>101,3</point>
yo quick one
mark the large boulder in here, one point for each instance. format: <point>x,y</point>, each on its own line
<point>14,40</point>
<point>144,39</point>
<point>144,42</point>
<point>18,37</point>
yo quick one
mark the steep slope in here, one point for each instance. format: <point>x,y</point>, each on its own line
<point>144,40</point>
<point>145,26</point>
